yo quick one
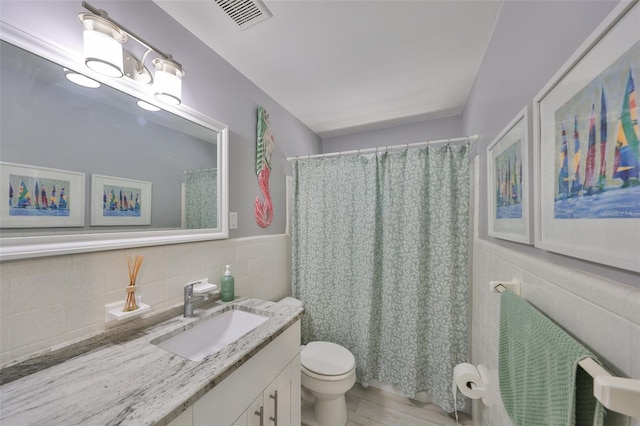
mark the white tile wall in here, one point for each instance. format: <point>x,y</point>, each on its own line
<point>48,301</point>
<point>603,314</point>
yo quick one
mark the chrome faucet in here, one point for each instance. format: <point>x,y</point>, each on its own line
<point>189,298</point>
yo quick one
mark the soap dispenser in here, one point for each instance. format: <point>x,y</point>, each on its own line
<point>227,287</point>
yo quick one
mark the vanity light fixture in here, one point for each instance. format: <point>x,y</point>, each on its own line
<point>80,79</point>
<point>168,86</point>
<point>102,44</point>
<point>104,53</point>
<point>147,106</point>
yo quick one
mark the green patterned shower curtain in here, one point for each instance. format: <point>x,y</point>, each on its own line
<point>380,259</point>
<point>201,201</point>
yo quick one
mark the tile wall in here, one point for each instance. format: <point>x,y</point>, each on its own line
<point>49,301</point>
<point>603,314</point>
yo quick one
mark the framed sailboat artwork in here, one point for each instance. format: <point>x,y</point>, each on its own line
<point>41,197</point>
<point>119,201</point>
<point>508,174</point>
<point>587,150</point>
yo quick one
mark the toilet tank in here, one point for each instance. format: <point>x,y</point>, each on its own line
<point>292,301</point>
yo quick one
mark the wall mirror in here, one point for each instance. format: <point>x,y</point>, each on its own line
<point>87,169</point>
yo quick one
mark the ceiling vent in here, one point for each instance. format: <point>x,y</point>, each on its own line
<point>245,13</point>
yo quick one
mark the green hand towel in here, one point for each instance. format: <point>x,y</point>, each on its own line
<point>540,380</point>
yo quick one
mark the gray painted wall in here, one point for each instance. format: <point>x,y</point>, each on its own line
<point>441,128</point>
<point>530,42</point>
<point>211,86</point>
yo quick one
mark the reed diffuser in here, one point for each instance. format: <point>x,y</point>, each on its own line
<point>134,268</point>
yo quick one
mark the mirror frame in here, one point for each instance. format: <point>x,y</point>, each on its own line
<point>13,248</point>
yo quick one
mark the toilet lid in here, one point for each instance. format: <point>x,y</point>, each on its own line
<point>327,359</point>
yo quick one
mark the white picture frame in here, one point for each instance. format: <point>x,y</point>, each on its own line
<point>41,197</point>
<point>509,181</point>
<point>595,219</point>
<point>117,201</point>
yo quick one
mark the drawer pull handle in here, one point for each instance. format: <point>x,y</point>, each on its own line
<point>275,408</point>
<point>261,414</point>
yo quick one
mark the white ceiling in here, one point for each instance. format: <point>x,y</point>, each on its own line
<point>346,66</point>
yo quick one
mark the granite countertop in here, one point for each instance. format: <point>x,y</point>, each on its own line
<point>119,377</point>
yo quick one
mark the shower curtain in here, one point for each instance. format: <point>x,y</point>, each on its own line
<point>201,201</point>
<point>379,248</point>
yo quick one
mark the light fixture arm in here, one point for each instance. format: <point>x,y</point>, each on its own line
<point>103,14</point>
<point>140,64</point>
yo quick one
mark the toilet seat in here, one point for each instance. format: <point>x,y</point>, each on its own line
<point>327,359</point>
<point>322,378</point>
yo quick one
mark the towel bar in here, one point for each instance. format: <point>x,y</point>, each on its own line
<point>500,286</point>
<point>617,394</point>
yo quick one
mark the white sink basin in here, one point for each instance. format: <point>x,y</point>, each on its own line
<point>212,335</point>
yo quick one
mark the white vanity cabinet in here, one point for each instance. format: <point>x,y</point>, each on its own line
<point>274,406</point>
<point>252,387</point>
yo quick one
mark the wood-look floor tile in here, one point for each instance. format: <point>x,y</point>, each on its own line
<point>389,416</point>
<point>374,407</point>
<point>354,419</point>
<point>393,400</point>
<point>421,410</point>
<point>352,402</point>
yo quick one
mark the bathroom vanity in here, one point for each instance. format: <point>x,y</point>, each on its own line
<point>264,390</point>
<point>123,377</point>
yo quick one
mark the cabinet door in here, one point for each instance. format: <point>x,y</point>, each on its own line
<point>279,398</point>
<point>296,387</point>
<point>271,398</point>
<point>255,412</point>
<point>283,399</point>
<point>242,420</point>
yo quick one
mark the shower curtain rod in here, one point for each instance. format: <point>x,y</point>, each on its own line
<point>471,138</point>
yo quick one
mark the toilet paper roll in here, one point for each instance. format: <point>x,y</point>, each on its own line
<point>464,375</point>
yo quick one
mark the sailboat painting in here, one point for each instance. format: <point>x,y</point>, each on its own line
<point>508,180</point>
<point>508,170</point>
<point>41,197</point>
<point>32,199</point>
<point>586,148</point>
<point>597,152</point>
<point>119,201</point>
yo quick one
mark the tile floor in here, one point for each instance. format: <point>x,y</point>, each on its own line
<point>374,407</point>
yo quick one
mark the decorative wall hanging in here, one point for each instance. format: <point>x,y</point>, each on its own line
<point>264,149</point>
<point>587,148</point>
<point>41,197</point>
<point>117,201</point>
<point>508,181</point>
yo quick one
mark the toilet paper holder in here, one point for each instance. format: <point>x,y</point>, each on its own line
<point>483,388</point>
<point>475,382</point>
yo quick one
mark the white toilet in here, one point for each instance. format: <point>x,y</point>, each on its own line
<point>328,372</point>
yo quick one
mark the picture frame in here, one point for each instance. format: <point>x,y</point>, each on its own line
<point>117,201</point>
<point>509,181</point>
<point>587,201</point>
<point>41,197</point>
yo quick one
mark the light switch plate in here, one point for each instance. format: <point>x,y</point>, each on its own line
<point>233,220</point>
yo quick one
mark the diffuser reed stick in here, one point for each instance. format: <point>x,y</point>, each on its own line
<point>131,304</point>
